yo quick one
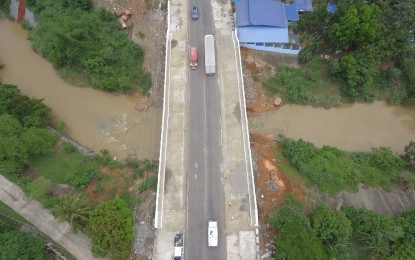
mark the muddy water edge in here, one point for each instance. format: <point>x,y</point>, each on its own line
<point>94,118</point>
<point>352,127</point>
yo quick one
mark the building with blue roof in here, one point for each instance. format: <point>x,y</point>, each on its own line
<point>304,5</point>
<point>264,25</point>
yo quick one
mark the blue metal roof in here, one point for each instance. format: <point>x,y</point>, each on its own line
<point>331,7</point>
<point>260,13</point>
<point>291,12</point>
<point>304,5</point>
<point>262,34</point>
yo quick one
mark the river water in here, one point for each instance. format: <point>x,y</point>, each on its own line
<point>356,127</point>
<point>94,118</point>
<point>102,120</point>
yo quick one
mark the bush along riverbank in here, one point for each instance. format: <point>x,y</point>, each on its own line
<point>88,46</point>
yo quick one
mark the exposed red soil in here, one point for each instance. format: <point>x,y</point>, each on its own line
<point>113,188</point>
<point>272,185</point>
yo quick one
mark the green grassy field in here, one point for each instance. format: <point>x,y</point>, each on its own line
<point>57,166</point>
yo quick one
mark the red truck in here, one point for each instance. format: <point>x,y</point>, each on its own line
<point>193,57</point>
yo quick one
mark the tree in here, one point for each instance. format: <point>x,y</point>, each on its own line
<point>13,154</point>
<point>89,43</point>
<point>409,155</point>
<point>358,25</point>
<point>385,159</point>
<point>112,229</point>
<point>299,152</point>
<point>332,228</point>
<point>81,4</point>
<point>297,242</point>
<point>75,210</point>
<point>378,233</point>
<point>18,143</point>
<point>39,188</point>
<point>291,212</point>
<point>19,245</point>
<point>38,141</point>
<point>30,112</point>
<point>407,221</point>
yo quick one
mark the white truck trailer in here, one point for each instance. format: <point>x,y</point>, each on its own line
<point>212,233</point>
<point>210,63</point>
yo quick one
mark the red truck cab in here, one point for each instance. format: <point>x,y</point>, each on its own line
<point>193,57</point>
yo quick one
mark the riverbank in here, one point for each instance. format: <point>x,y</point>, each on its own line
<point>95,119</point>
<point>357,127</point>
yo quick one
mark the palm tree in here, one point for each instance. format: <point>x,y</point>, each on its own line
<point>75,210</point>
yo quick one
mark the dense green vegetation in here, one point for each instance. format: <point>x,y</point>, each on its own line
<point>333,170</point>
<point>88,43</point>
<point>19,245</point>
<point>25,141</point>
<point>369,50</point>
<point>59,165</point>
<point>308,84</point>
<point>22,132</point>
<point>112,229</point>
<point>346,234</point>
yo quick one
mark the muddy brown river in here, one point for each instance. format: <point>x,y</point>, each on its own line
<point>356,127</point>
<point>94,118</point>
<point>101,120</point>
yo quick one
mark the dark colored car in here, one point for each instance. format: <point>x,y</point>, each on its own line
<point>195,13</point>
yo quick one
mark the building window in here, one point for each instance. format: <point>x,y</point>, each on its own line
<point>259,44</point>
<point>250,42</point>
<point>269,44</point>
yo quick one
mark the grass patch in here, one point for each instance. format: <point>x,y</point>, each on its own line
<point>150,183</point>
<point>333,170</point>
<point>307,85</point>
<point>279,155</point>
<point>58,166</point>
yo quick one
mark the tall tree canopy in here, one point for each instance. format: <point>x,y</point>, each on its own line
<point>332,228</point>
<point>89,43</point>
<point>21,129</point>
<point>358,25</point>
<point>30,112</point>
<point>112,229</point>
<point>19,245</point>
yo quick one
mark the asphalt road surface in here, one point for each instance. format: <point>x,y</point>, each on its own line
<point>205,194</point>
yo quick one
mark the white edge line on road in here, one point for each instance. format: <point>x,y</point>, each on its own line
<point>164,130</point>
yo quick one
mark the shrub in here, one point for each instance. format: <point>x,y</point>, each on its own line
<point>150,183</point>
<point>90,44</point>
<point>39,188</point>
<point>299,152</point>
<point>138,172</point>
<point>69,148</point>
<point>130,199</point>
<point>376,232</point>
<point>83,175</point>
<point>333,170</point>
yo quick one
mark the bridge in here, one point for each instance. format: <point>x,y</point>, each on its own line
<point>205,169</point>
